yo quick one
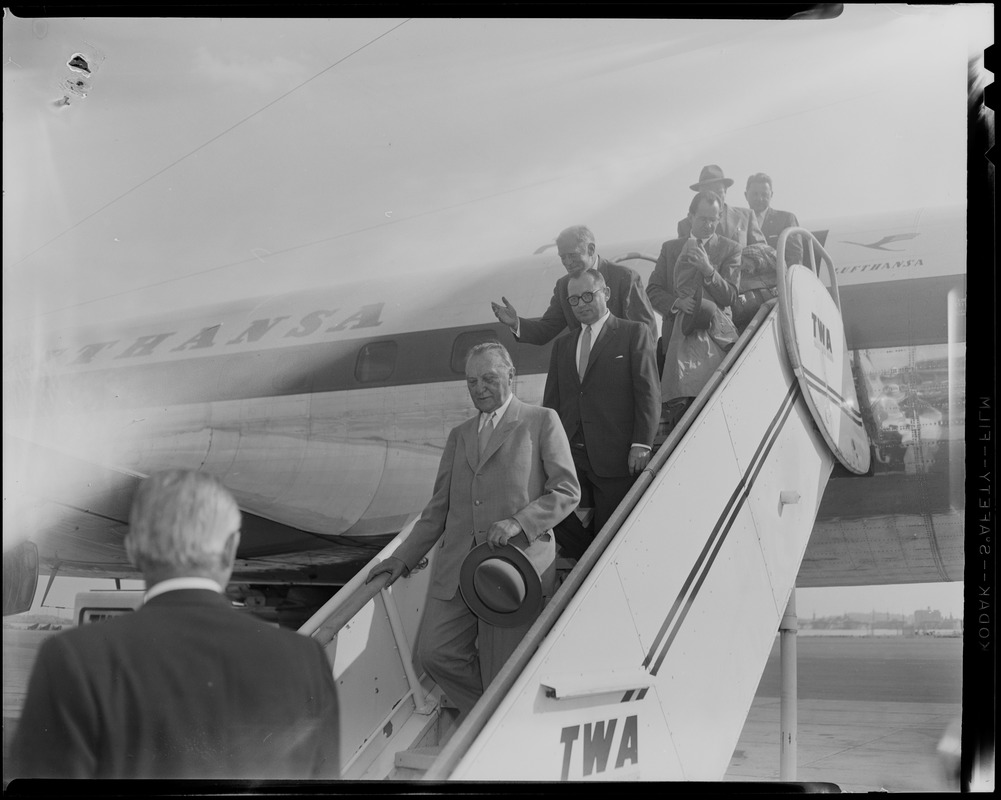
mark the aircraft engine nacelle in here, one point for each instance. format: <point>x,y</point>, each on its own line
<point>20,578</point>
<point>320,465</point>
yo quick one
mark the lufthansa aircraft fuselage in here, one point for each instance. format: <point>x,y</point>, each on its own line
<point>326,411</point>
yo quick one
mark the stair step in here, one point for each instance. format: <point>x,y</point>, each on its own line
<point>420,758</point>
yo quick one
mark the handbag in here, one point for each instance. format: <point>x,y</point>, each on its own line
<point>747,304</point>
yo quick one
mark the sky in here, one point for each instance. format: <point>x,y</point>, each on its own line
<point>268,153</point>
<point>215,157</point>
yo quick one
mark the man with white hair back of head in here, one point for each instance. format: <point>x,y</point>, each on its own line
<point>186,686</point>
<point>183,524</point>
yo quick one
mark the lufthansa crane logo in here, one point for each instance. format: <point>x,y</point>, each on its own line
<point>896,237</point>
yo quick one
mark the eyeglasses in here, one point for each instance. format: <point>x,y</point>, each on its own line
<point>587,297</point>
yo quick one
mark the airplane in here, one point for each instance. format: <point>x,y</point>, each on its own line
<point>325,409</point>
<point>277,395</point>
<point>326,413</point>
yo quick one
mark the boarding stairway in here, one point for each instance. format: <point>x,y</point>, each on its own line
<point>646,661</point>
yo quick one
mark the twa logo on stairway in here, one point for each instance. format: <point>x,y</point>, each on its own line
<point>587,754</point>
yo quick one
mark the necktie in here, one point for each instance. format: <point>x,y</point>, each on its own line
<point>485,431</point>
<point>585,351</point>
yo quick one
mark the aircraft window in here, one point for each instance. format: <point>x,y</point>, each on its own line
<point>464,342</point>
<point>89,615</point>
<point>376,362</point>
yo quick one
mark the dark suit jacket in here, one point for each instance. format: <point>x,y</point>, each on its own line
<point>185,687</point>
<point>627,300</point>
<point>526,473</point>
<point>618,402</point>
<point>736,224</point>
<point>724,255</point>
<point>774,223</point>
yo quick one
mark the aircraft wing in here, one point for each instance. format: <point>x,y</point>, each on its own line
<point>79,520</point>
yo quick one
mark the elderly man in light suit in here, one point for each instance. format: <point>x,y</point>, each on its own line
<point>506,476</point>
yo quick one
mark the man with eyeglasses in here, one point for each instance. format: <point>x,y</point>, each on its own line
<point>186,686</point>
<point>603,383</point>
<point>578,252</point>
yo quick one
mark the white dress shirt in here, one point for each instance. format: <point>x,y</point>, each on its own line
<point>595,330</point>
<point>497,413</point>
<point>175,584</point>
<point>596,327</point>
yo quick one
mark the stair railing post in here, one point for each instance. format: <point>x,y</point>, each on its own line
<point>787,705</point>
<point>421,704</point>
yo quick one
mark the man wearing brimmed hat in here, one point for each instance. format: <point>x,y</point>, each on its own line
<point>506,477</point>
<point>693,284</point>
<point>737,224</point>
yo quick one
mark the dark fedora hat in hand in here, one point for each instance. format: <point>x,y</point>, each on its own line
<point>710,174</point>
<point>500,585</point>
<point>702,317</point>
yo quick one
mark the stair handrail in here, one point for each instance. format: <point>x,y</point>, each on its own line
<point>339,610</point>
<point>812,246</point>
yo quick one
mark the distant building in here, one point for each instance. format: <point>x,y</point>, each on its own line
<point>922,618</point>
<point>926,622</point>
<point>931,623</point>
<point>888,627</point>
